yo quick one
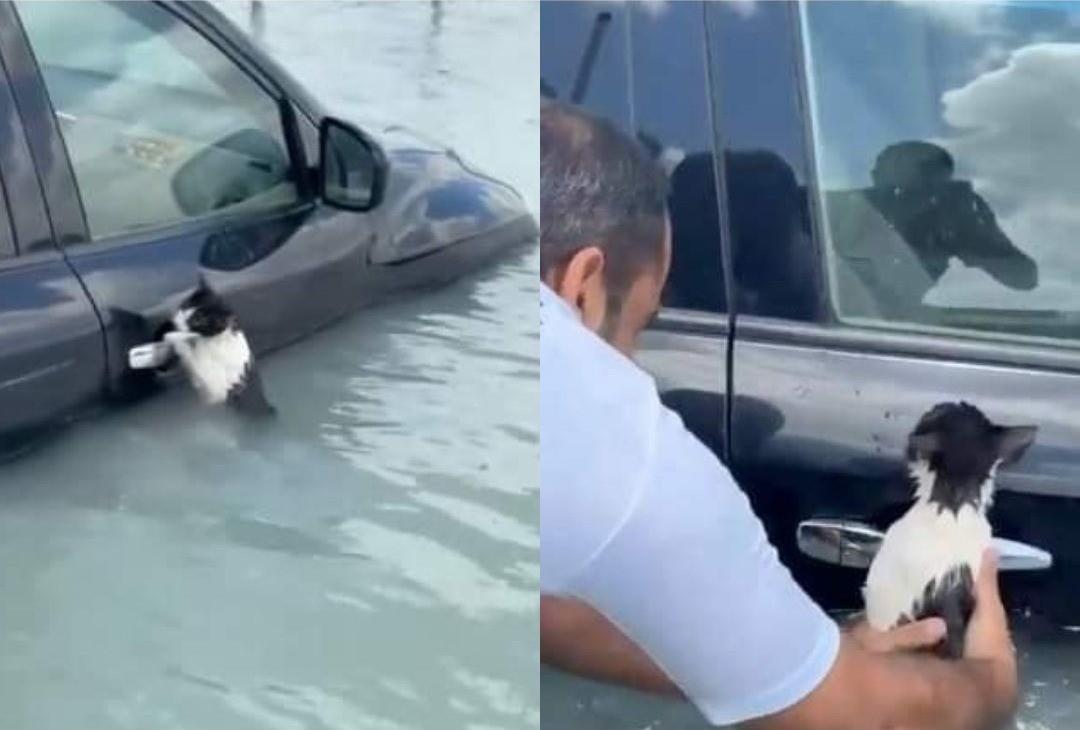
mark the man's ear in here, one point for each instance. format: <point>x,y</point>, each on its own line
<point>582,286</point>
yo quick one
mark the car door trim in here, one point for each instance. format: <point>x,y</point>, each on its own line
<point>692,321</point>
<point>36,374</point>
<point>959,348</point>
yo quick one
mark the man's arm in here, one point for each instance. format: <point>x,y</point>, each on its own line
<point>579,640</point>
<point>871,685</point>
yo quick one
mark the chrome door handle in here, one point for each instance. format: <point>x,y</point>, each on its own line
<point>149,355</point>
<point>1013,555</point>
<point>840,542</point>
<point>853,544</point>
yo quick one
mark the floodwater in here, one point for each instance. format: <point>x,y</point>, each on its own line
<point>369,561</point>
<point>1049,692</point>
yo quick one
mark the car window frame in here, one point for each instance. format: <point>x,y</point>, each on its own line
<point>71,228</point>
<point>28,219</point>
<point>728,105</point>
<point>8,247</point>
<point>829,332</point>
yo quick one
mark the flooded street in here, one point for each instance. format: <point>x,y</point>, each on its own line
<point>371,559</point>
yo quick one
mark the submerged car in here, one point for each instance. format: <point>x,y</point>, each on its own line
<point>145,146</point>
<point>861,230</point>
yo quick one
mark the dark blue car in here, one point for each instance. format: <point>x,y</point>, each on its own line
<point>874,209</point>
<point>146,145</point>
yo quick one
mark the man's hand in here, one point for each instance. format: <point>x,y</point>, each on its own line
<point>923,634</point>
<point>873,685</point>
<point>987,641</point>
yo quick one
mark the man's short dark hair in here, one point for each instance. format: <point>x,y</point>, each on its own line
<point>598,187</point>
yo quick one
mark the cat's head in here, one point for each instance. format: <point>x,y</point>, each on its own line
<point>954,453</point>
<point>204,313</point>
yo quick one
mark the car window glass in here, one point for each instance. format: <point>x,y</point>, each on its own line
<point>159,124</point>
<point>617,60</point>
<point>587,65</point>
<point>776,269</point>
<point>674,122</point>
<point>947,154</point>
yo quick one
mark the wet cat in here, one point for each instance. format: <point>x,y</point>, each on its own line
<point>215,354</point>
<point>928,560</point>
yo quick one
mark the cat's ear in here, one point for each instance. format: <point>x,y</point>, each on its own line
<point>1013,441</point>
<point>923,445</point>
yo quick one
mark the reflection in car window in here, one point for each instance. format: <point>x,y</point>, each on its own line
<point>775,264</point>
<point>948,153</point>
<point>673,120</point>
<point>619,61</point>
<point>159,124</point>
<point>589,67</point>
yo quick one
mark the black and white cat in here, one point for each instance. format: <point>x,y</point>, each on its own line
<point>928,560</point>
<point>215,353</point>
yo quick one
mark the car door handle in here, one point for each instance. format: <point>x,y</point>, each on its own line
<point>149,355</point>
<point>853,544</point>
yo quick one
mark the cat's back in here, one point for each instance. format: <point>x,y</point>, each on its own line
<point>922,546</point>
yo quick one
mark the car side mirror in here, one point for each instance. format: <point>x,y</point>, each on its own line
<point>352,167</point>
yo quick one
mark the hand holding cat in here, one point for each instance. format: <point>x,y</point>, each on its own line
<point>987,639</point>
<point>924,634</point>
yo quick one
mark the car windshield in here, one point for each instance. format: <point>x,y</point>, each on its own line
<point>948,159</point>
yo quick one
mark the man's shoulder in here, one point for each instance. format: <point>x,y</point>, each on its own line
<point>598,419</point>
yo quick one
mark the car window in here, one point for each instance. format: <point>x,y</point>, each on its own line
<point>776,269</point>
<point>159,124</point>
<point>589,63</point>
<point>673,120</point>
<point>948,161</point>
<point>618,60</point>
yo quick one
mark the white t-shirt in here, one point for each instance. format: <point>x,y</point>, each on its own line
<point>642,522</point>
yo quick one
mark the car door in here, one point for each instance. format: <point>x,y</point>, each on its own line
<point>927,254</point>
<point>171,157</point>
<point>52,361</point>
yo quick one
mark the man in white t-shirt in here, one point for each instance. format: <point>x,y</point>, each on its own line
<point>655,572</point>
